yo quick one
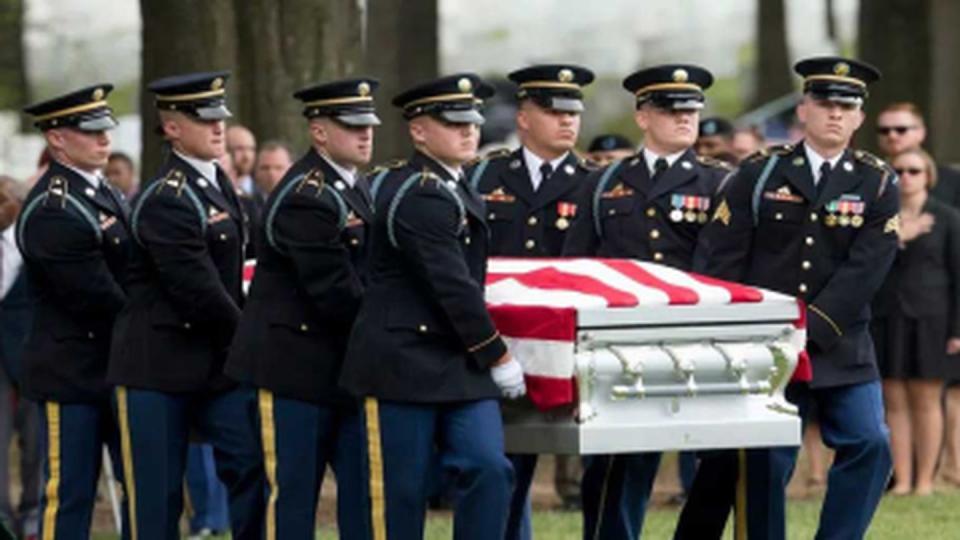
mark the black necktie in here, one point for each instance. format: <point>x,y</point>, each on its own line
<point>545,171</point>
<point>104,190</point>
<point>825,171</point>
<point>362,191</point>
<point>659,167</point>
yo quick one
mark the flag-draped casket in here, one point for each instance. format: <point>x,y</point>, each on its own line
<point>622,355</point>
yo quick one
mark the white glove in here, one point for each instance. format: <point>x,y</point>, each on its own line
<point>509,377</point>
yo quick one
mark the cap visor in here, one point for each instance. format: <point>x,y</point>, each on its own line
<point>359,119</point>
<point>220,112</point>
<point>838,98</point>
<point>100,123</point>
<point>566,105</point>
<point>689,105</point>
<point>467,116</point>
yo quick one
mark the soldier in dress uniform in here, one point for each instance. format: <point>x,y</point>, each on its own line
<point>424,354</point>
<point>75,241</point>
<point>171,340</point>
<point>817,220</point>
<point>529,195</point>
<point>304,297</point>
<point>650,206</point>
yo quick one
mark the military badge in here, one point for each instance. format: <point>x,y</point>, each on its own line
<point>565,212</point>
<point>722,213</point>
<point>782,194</point>
<point>217,217</point>
<point>618,191</point>
<point>499,195</point>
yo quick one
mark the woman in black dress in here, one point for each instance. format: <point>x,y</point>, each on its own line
<point>916,326</point>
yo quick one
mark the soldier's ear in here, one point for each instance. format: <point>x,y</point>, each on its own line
<point>523,122</point>
<point>860,117</point>
<point>641,117</point>
<point>418,132</point>
<point>54,138</point>
<point>318,131</point>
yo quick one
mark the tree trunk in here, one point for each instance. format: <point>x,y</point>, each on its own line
<point>13,78</point>
<point>895,36</point>
<point>181,36</point>
<point>831,23</point>
<point>944,99</point>
<point>402,50</point>
<point>773,78</point>
<point>284,45</point>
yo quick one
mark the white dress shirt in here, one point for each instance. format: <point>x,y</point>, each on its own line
<point>93,178</point>
<point>652,158</point>
<point>816,161</point>
<point>534,162</point>
<point>348,175</point>
<point>207,169</point>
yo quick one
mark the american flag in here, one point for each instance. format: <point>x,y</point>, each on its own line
<point>535,305</point>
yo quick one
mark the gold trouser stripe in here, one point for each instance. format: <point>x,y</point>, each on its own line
<point>603,497</point>
<point>126,451</point>
<point>53,465</point>
<point>740,506</point>
<point>268,438</point>
<point>378,507</point>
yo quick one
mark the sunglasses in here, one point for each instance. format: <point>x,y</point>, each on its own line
<point>899,130</point>
<point>912,171</point>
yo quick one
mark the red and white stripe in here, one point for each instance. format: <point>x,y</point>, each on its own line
<point>534,303</point>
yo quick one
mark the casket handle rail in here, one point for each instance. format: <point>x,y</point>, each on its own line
<point>685,368</point>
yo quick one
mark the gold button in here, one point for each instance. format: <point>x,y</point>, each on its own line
<point>651,212</point>
<point>466,240</point>
<point>304,327</point>
<point>186,325</point>
<point>658,256</point>
<point>802,287</point>
<point>422,328</point>
<point>809,240</point>
<point>492,215</point>
<point>814,217</point>
<point>223,237</point>
<point>116,241</point>
<point>778,216</point>
<point>611,212</point>
<point>655,234</point>
<point>806,265</point>
<point>529,244</point>
<point>354,241</point>
<point>532,220</point>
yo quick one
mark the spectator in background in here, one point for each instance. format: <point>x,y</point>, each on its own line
<point>900,127</point>
<point>17,415</point>
<point>715,139</point>
<point>273,160</point>
<point>242,147</point>
<point>121,173</point>
<point>916,324</point>
<point>746,141</point>
<point>607,148</point>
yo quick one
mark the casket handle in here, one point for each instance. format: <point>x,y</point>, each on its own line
<point>586,371</point>
<point>633,372</point>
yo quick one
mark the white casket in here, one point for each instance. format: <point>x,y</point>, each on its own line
<point>624,356</point>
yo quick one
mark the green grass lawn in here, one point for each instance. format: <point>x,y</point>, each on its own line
<point>921,518</point>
